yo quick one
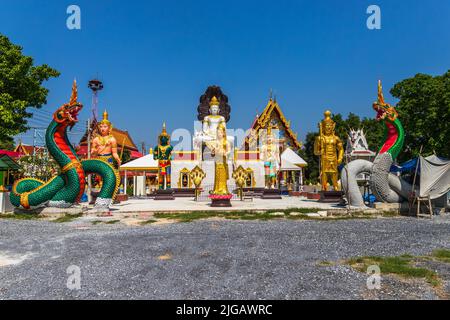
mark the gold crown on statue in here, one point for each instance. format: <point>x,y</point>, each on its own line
<point>327,119</point>
<point>105,119</point>
<point>164,132</point>
<point>214,101</point>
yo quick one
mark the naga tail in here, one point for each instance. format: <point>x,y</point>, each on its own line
<point>30,192</point>
<point>110,180</point>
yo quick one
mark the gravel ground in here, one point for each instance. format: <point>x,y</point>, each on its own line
<point>213,259</point>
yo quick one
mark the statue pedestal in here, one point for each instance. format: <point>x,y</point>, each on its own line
<point>5,204</point>
<point>271,194</point>
<point>330,196</point>
<point>184,192</point>
<point>221,200</point>
<point>164,195</point>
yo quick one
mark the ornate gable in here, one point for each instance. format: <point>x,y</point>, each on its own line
<point>272,115</point>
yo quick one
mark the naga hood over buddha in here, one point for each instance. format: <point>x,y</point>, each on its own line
<point>213,111</point>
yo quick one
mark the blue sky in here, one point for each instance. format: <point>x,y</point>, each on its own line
<point>157,57</point>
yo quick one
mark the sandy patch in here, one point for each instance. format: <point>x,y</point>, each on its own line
<point>8,259</point>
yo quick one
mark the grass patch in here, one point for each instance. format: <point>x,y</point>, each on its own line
<point>22,216</point>
<point>143,223</point>
<point>289,213</point>
<point>67,218</point>
<point>233,215</point>
<point>402,266</point>
<point>325,263</point>
<point>105,222</point>
<point>442,255</point>
<point>389,214</point>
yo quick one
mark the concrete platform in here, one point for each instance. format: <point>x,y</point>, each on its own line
<point>185,204</point>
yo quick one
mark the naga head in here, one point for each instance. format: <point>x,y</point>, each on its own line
<point>68,113</point>
<point>384,110</point>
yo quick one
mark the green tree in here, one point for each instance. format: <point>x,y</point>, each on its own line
<point>424,110</point>
<point>20,88</point>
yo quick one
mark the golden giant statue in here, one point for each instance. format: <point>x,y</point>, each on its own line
<point>220,150</point>
<point>331,151</point>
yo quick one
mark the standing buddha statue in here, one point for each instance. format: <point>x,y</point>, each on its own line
<point>331,151</point>
<point>163,153</point>
<point>220,150</point>
<point>104,144</point>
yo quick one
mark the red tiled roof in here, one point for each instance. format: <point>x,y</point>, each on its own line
<point>11,154</point>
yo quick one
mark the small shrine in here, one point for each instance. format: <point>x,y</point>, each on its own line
<point>357,146</point>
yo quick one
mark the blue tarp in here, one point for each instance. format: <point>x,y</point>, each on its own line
<point>407,166</point>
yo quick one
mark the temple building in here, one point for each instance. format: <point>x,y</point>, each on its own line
<point>27,150</point>
<point>272,116</point>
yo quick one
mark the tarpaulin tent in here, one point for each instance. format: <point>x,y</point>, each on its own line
<point>434,176</point>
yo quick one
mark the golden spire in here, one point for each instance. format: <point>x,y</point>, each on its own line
<point>214,101</point>
<point>74,95</point>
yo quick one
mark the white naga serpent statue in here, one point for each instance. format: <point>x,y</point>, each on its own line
<point>386,186</point>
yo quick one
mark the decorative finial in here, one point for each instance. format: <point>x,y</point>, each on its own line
<point>105,119</point>
<point>74,95</point>
<point>164,132</point>
<point>214,101</point>
<point>380,94</point>
<point>270,94</point>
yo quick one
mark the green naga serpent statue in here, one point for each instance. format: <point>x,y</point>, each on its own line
<point>386,186</point>
<point>66,189</point>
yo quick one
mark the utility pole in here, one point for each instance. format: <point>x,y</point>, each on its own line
<point>34,152</point>
<point>89,156</point>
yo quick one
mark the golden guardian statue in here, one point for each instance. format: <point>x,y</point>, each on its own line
<point>331,151</point>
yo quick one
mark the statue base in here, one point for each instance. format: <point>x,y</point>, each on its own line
<point>330,196</point>
<point>271,194</point>
<point>164,195</point>
<point>184,192</point>
<point>221,200</point>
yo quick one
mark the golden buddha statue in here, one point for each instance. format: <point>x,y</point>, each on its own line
<point>104,144</point>
<point>220,150</point>
<point>331,151</point>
